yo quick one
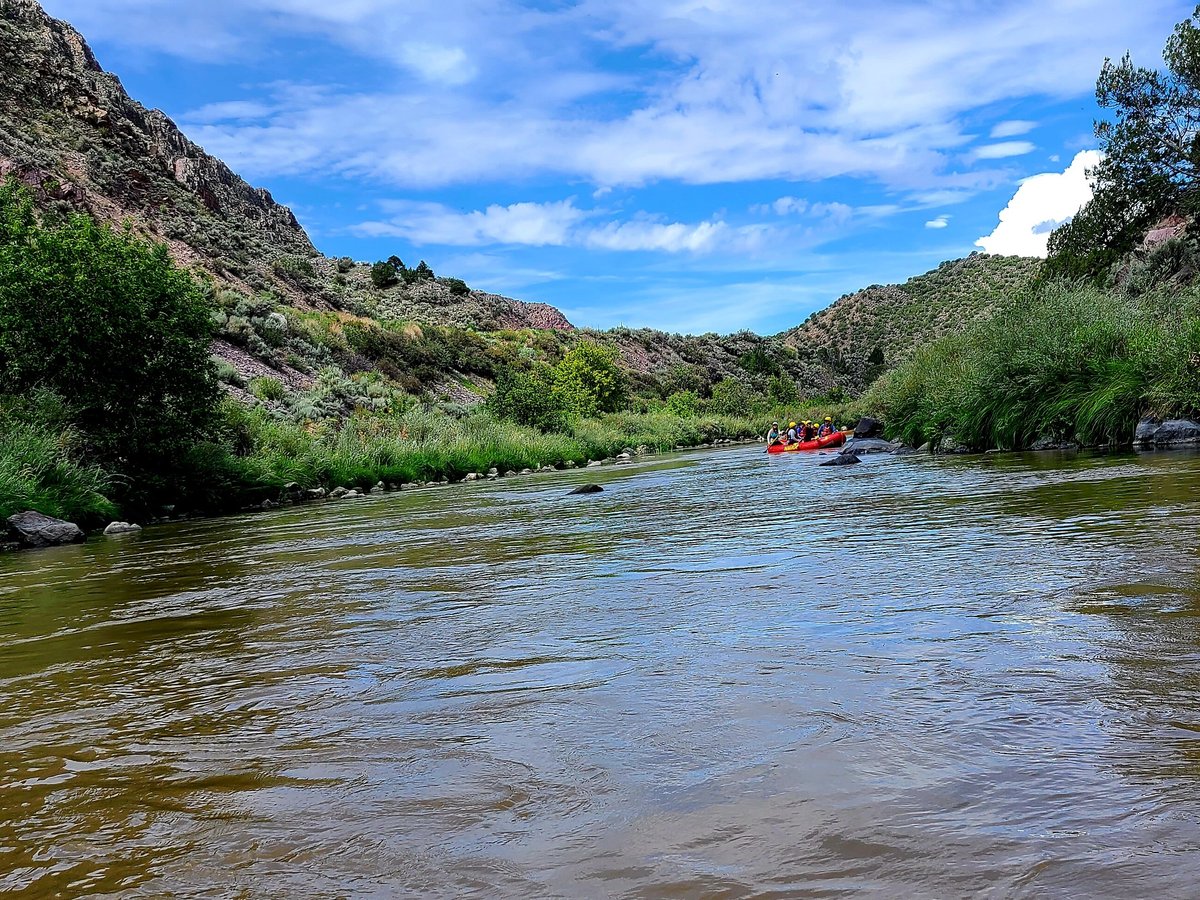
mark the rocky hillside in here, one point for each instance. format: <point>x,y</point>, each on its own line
<point>72,135</point>
<point>874,329</point>
<point>69,131</point>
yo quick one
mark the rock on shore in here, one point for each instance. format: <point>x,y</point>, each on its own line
<point>1171,433</point>
<point>32,529</point>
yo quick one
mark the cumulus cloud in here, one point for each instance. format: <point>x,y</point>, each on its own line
<point>1041,204</point>
<point>1004,149</point>
<point>940,222</point>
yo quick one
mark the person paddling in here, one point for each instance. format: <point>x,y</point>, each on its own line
<point>773,434</point>
<point>826,427</point>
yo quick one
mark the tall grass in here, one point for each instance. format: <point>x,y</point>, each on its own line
<point>39,471</point>
<point>1063,364</point>
<point>423,444</point>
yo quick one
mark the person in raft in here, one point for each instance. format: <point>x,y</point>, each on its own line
<point>791,433</point>
<point>826,428</point>
<point>773,434</point>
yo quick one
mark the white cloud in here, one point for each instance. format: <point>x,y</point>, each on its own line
<point>230,111</point>
<point>1004,149</point>
<point>1041,204</point>
<point>725,92</point>
<point>940,222</point>
<point>528,224</point>
<point>435,63</point>
<point>1012,128</point>
<point>560,224</point>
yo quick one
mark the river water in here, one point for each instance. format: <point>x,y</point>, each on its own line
<point>727,675</point>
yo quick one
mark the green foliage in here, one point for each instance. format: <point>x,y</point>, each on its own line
<point>1151,157</point>
<point>731,397</point>
<point>589,380</point>
<point>41,465</point>
<point>530,398</point>
<point>682,403</point>
<point>295,269</point>
<point>384,274</point>
<point>782,390</point>
<point>267,388</point>
<point>864,333</point>
<point>1061,364</point>
<point>109,322</point>
<point>457,286</point>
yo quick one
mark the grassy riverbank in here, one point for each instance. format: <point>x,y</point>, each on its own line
<point>253,454</point>
<point>1060,364</point>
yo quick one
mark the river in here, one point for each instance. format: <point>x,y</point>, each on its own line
<point>727,675</point>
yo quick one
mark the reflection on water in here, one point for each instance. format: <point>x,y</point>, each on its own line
<point>727,675</point>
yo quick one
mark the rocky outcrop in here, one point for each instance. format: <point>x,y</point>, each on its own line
<point>32,529</point>
<point>70,131</point>
<point>1171,433</point>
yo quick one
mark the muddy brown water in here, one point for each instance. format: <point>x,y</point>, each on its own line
<point>727,675</point>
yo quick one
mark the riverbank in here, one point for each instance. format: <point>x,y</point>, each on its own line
<point>283,462</point>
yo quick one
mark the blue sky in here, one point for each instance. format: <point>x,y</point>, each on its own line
<point>692,165</point>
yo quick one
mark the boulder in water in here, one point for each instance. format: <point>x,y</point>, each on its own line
<point>1173,432</point>
<point>842,459</point>
<point>122,528</point>
<point>586,489</point>
<point>32,529</point>
<point>870,445</point>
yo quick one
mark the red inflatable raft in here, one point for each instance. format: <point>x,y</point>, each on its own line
<point>830,440</point>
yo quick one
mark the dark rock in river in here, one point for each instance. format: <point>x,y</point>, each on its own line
<point>842,459</point>
<point>1173,432</point>
<point>586,489</point>
<point>1047,443</point>
<point>32,529</point>
<point>870,445</point>
<point>868,428</point>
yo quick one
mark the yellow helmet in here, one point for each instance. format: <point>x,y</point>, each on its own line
<point>829,418</point>
<point>791,424</point>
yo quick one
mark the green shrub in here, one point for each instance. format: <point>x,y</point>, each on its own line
<point>682,403</point>
<point>294,269</point>
<point>107,320</point>
<point>265,387</point>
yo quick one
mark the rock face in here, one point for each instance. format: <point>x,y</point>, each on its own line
<point>32,529</point>
<point>1171,433</point>
<point>69,131</point>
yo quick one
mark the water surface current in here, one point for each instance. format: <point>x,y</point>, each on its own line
<point>727,675</point>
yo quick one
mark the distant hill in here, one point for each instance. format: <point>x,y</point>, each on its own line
<point>874,329</point>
